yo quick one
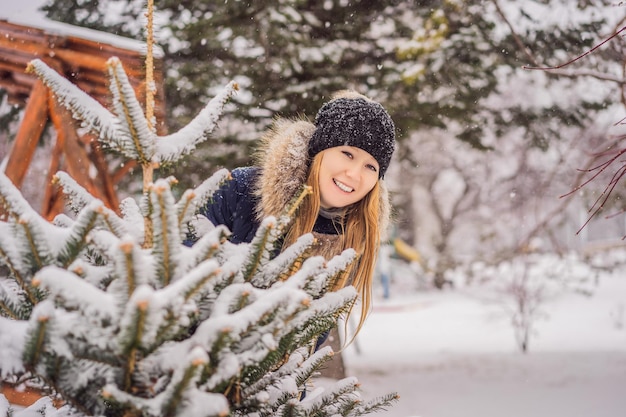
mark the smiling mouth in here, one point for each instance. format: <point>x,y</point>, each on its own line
<point>342,186</point>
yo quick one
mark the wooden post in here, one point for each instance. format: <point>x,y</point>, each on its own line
<point>106,183</point>
<point>52,201</point>
<point>35,119</point>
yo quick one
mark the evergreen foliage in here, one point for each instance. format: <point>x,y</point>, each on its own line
<point>434,63</point>
<point>110,326</point>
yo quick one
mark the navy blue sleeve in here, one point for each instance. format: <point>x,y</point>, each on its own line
<point>233,205</point>
<point>219,207</point>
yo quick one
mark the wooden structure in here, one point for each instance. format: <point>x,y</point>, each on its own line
<point>83,62</point>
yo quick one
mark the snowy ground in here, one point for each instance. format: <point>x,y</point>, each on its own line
<point>449,354</point>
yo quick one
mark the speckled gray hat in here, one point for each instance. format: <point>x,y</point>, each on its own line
<point>352,119</point>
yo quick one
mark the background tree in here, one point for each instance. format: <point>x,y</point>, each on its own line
<point>433,63</point>
<point>513,187</point>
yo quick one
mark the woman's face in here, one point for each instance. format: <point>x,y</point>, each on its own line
<point>347,174</point>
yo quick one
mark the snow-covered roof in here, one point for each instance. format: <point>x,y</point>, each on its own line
<point>38,21</point>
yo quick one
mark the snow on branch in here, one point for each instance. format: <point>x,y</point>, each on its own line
<point>12,339</point>
<point>128,131</point>
<point>76,293</point>
<point>167,243</point>
<point>192,200</point>
<point>183,142</point>
<point>130,115</point>
<point>83,107</point>
<point>287,262</point>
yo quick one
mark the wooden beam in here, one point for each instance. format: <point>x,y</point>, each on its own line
<point>77,160</point>
<point>105,179</point>
<point>23,398</point>
<point>28,135</point>
<point>55,204</point>
<point>50,203</point>
<point>122,171</point>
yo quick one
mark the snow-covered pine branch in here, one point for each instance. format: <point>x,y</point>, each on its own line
<point>263,246</point>
<point>173,147</point>
<point>93,115</point>
<point>167,245</point>
<point>79,198</point>
<point>192,200</point>
<point>287,262</point>
<point>127,130</point>
<point>138,141</point>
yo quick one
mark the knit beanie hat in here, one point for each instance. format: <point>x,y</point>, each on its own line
<point>352,119</point>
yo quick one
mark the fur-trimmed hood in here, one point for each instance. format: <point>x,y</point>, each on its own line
<point>283,161</point>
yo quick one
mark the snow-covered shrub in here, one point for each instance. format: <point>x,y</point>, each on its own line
<point>524,284</point>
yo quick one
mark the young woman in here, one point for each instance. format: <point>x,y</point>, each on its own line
<point>343,156</point>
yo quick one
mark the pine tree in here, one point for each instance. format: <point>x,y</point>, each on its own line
<point>434,63</point>
<point>114,315</point>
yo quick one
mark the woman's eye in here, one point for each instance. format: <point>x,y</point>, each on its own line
<point>348,154</point>
<point>372,167</point>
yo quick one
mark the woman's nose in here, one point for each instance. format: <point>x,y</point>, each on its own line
<point>352,170</point>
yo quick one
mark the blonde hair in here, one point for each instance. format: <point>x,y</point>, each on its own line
<point>359,231</point>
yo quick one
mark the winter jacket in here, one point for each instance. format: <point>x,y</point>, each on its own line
<point>235,206</point>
